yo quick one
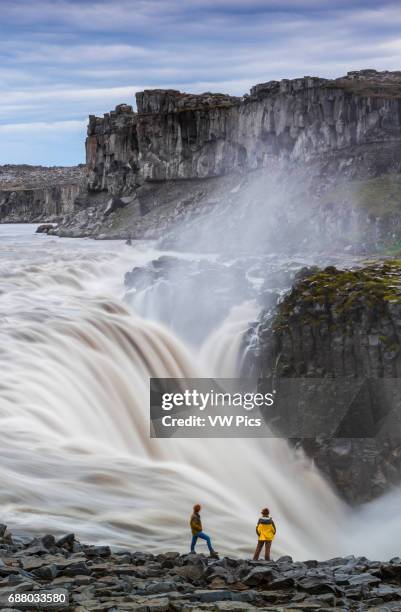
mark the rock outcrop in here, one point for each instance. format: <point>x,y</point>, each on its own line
<point>181,136</point>
<point>36,193</point>
<point>97,578</point>
<point>181,155</point>
<point>347,128</point>
<point>338,332</point>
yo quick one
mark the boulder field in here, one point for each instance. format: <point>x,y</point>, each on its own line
<point>99,579</point>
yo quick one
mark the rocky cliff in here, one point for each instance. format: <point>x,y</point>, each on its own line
<point>338,333</point>
<point>181,136</point>
<point>181,154</point>
<point>35,193</point>
<point>340,130</point>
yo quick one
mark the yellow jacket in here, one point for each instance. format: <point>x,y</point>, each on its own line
<point>266,529</point>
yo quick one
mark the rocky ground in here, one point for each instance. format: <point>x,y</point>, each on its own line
<point>149,212</point>
<point>276,211</point>
<point>97,578</point>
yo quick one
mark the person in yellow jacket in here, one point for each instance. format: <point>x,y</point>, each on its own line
<point>266,530</point>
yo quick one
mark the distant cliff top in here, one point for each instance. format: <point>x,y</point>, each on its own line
<point>367,82</point>
<point>371,83</point>
<point>171,100</point>
<point>30,177</point>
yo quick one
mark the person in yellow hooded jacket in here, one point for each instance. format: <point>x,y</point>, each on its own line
<point>266,530</point>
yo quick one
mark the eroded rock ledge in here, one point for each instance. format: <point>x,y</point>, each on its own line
<point>97,578</point>
<point>182,136</point>
<point>346,325</point>
<point>150,169</point>
<point>35,193</point>
<point>181,155</point>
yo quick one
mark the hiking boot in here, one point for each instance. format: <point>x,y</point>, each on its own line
<point>214,554</point>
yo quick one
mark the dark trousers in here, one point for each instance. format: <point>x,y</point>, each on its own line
<point>202,536</point>
<point>267,544</point>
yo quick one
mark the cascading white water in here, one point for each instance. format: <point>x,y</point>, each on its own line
<point>75,452</point>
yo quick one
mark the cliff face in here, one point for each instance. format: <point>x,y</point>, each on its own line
<point>182,154</point>
<point>339,332</point>
<point>182,136</point>
<point>173,136</point>
<point>35,205</point>
<point>35,193</point>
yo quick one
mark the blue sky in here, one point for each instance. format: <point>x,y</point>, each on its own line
<point>62,60</point>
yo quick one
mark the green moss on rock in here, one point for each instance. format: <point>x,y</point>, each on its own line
<point>379,196</point>
<point>340,296</point>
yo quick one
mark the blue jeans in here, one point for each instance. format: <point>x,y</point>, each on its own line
<point>202,536</point>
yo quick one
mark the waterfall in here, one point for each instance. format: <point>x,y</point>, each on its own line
<point>75,452</point>
<point>221,351</point>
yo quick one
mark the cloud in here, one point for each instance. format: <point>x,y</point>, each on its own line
<point>59,54</point>
<point>61,105</point>
<point>42,126</point>
<point>75,95</point>
<point>64,59</point>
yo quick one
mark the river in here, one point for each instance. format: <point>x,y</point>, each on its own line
<point>75,452</point>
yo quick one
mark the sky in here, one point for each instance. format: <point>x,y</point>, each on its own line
<point>62,60</point>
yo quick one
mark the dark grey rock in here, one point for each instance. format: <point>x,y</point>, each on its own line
<point>211,596</point>
<point>361,579</point>
<point>282,583</point>
<point>355,439</point>
<point>140,558</point>
<point>317,585</point>
<point>190,572</point>
<point>285,559</point>
<point>44,228</point>
<point>160,587</point>
<point>76,569</point>
<point>392,570</point>
<point>141,581</point>
<point>259,576</point>
<point>97,551</point>
<point>48,541</point>
<point>46,572</point>
<point>67,541</point>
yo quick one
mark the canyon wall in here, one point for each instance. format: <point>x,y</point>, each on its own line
<point>355,119</point>
<point>180,154</point>
<point>36,205</point>
<point>35,193</point>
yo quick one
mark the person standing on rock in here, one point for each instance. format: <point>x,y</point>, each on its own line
<point>197,531</point>
<point>266,530</point>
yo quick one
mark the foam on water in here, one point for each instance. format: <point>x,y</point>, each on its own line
<point>75,452</point>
